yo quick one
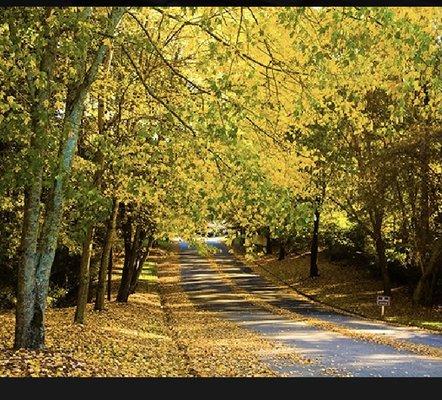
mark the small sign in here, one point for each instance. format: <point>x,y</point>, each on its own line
<point>383,300</point>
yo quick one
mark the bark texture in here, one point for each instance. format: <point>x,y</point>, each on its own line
<point>378,238</point>
<point>104,263</point>
<point>38,245</point>
<point>423,294</point>
<point>314,246</point>
<point>83,288</point>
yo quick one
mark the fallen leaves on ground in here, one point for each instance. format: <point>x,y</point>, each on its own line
<point>347,287</point>
<point>125,340</point>
<point>150,336</point>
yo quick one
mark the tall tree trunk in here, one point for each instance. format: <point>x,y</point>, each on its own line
<point>136,274</point>
<point>91,289</point>
<point>98,179</point>
<point>104,264</point>
<point>140,265</point>
<point>26,283</point>
<point>382,262</point>
<point>109,275</point>
<point>268,241</point>
<point>100,156</point>
<point>51,225</point>
<point>32,334</point>
<point>26,269</point>
<point>281,254</point>
<point>423,294</point>
<point>129,268</point>
<point>314,246</point>
<point>380,252</point>
<point>83,288</point>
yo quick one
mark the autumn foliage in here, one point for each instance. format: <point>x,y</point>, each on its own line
<point>123,127</point>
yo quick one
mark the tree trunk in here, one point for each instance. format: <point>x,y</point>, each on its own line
<point>26,269</point>
<point>104,264</point>
<point>382,262</point>
<point>129,268</point>
<point>281,254</point>
<point>26,283</point>
<point>139,270</point>
<point>109,275</point>
<point>314,246</point>
<point>91,291</point>
<point>136,274</point>
<point>50,230</point>
<point>83,289</point>
<point>380,252</point>
<point>423,294</point>
<point>51,225</point>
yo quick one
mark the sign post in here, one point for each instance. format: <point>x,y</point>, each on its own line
<point>383,301</point>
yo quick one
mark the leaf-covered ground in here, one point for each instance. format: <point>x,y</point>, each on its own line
<point>125,340</point>
<point>348,287</point>
<point>158,333</point>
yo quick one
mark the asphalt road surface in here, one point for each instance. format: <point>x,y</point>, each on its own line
<point>333,353</point>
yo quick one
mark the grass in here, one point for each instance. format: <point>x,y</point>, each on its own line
<point>148,277</point>
<point>149,273</point>
<point>348,287</point>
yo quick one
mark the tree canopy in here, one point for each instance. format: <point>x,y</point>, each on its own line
<point>145,124</point>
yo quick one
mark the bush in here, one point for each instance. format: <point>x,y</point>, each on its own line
<point>163,244</point>
<point>345,244</point>
<point>56,296</point>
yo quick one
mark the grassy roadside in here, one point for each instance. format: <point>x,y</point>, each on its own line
<point>346,287</point>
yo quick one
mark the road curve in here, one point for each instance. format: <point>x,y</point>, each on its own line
<point>333,353</point>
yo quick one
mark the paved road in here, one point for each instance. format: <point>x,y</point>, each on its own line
<point>333,353</point>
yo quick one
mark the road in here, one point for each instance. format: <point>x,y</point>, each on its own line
<point>333,353</point>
